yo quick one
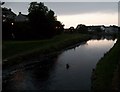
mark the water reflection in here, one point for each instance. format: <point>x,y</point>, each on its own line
<point>71,70</point>
<point>34,78</point>
<point>82,60</point>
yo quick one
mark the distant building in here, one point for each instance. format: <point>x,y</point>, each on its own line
<point>21,17</point>
<point>111,30</point>
<point>93,28</point>
<point>90,30</point>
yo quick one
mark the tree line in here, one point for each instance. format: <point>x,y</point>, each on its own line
<point>42,23</point>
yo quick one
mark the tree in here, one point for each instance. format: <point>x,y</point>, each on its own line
<point>1,3</point>
<point>50,16</point>
<point>71,29</point>
<point>58,27</point>
<point>81,28</point>
<point>7,21</point>
<point>42,20</point>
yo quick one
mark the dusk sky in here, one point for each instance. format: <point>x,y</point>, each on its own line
<point>74,13</point>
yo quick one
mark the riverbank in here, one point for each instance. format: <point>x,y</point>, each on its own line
<point>15,52</point>
<point>106,75</point>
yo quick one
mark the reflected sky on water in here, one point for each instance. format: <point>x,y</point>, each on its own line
<point>55,75</point>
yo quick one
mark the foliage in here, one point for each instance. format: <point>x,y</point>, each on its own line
<point>42,23</point>
<point>16,49</point>
<point>22,31</point>
<point>42,20</point>
<point>7,31</point>
<point>81,28</point>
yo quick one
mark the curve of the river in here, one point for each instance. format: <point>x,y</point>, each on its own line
<point>71,70</point>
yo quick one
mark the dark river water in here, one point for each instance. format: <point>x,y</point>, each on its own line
<point>71,70</point>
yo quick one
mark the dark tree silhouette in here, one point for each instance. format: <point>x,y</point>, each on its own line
<point>81,28</point>
<point>42,20</point>
<point>71,29</point>
<point>42,23</point>
<point>1,3</point>
<point>58,27</point>
<point>7,28</point>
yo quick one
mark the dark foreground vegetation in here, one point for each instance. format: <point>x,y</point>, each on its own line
<point>106,75</point>
<point>14,50</point>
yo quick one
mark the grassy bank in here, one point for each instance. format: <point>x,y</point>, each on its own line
<point>14,50</point>
<point>104,72</point>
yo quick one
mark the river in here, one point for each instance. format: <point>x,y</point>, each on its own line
<point>70,70</point>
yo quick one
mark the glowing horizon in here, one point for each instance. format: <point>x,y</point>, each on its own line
<point>106,19</point>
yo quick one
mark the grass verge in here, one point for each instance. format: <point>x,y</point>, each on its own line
<point>105,68</point>
<point>13,51</point>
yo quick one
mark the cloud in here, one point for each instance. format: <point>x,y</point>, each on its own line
<point>66,8</point>
<point>17,6</point>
